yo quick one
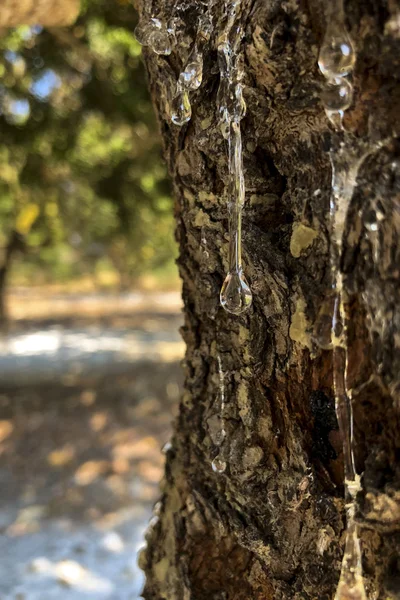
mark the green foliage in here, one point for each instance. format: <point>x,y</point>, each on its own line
<point>80,170</point>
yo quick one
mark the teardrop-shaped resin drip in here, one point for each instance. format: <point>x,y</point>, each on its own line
<point>337,95</point>
<point>337,55</point>
<point>236,296</point>
<point>217,423</point>
<point>192,75</point>
<point>160,41</point>
<point>154,33</point>
<point>336,60</point>
<point>181,110</point>
<point>218,464</point>
<point>145,28</point>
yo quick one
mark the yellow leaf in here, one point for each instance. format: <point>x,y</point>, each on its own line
<point>26,218</point>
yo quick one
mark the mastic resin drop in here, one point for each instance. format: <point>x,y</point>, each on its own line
<point>236,296</point>
<point>337,56</point>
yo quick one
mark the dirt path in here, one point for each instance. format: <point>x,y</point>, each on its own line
<point>85,406</point>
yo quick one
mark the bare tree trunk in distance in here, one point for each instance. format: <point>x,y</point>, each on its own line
<point>15,243</point>
<point>271,527</point>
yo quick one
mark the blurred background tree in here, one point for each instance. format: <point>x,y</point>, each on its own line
<point>82,188</point>
<point>89,381</point>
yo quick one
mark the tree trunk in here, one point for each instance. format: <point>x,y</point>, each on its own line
<point>272,525</point>
<point>14,244</point>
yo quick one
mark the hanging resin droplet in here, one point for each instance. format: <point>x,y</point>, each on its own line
<point>190,79</point>
<point>144,29</point>
<point>236,296</point>
<point>153,33</point>
<point>337,55</point>
<point>336,60</point>
<point>181,110</point>
<point>337,95</point>
<point>192,75</point>
<point>160,42</point>
<point>218,464</point>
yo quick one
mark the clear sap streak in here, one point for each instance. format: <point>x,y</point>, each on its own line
<point>337,58</point>
<point>343,404</point>
<point>235,296</point>
<point>219,462</point>
<point>192,75</point>
<point>181,109</point>
<point>346,163</point>
<point>157,31</point>
<point>345,168</point>
<point>351,585</point>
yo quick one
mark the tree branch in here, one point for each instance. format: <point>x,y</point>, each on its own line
<point>38,12</point>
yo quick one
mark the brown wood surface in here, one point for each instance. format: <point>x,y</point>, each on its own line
<point>49,13</point>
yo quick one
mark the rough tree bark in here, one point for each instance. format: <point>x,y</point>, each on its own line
<point>271,527</point>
